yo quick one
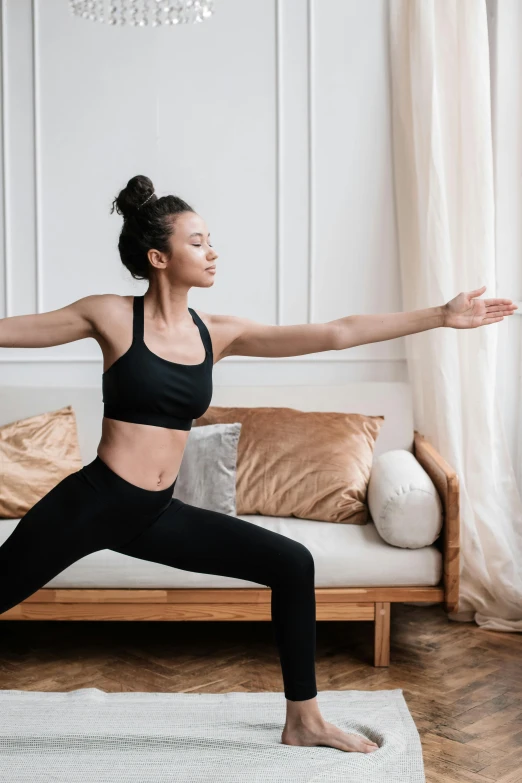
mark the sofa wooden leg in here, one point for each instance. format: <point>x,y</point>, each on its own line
<point>382,634</point>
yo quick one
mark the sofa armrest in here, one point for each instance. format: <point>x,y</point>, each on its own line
<point>447,483</point>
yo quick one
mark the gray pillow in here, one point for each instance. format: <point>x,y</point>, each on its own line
<point>207,474</point>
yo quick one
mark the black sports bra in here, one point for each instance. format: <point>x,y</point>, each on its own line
<point>142,387</point>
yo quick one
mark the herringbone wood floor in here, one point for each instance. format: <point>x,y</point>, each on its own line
<point>463,685</point>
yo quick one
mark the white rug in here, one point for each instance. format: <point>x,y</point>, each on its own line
<point>89,735</point>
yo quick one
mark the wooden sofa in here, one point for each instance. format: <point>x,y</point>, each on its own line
<point>349,602</point>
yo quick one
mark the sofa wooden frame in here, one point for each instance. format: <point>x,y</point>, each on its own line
<point>335,603</point>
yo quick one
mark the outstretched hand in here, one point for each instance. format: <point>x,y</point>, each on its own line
<point>465,311</point>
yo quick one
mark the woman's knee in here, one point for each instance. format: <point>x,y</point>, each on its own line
<point>297,561</point>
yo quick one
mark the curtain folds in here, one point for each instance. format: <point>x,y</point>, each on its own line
<point>443,169</point>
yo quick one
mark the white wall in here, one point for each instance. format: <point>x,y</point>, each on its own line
<point>272,119</point>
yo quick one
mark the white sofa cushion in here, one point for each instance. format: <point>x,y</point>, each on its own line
<point>344,556</point>
<point>403,501</point>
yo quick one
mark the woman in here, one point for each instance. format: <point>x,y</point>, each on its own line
<point>158,358</point>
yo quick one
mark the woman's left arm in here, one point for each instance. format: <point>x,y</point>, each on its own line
<point>244,337</point>
<point>465,311</point>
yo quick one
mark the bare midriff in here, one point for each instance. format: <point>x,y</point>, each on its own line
<point>142,454</point>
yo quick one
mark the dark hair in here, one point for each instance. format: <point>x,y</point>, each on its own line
<point>145,225</point>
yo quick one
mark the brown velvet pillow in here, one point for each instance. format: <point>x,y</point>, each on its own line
<point>35,455</point>
<point>312,465</point>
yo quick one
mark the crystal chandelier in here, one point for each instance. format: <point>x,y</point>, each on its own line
<point>143,13</point>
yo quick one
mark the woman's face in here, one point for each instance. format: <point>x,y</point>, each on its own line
<point>193,257</point>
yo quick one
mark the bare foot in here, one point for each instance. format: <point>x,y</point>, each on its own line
<point>328,734</point>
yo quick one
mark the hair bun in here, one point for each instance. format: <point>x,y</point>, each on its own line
<point>138,190</point>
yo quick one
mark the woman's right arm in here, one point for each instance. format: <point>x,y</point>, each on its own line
<point>41,330</point>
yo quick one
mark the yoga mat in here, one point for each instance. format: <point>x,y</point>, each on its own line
<point>235,737</point>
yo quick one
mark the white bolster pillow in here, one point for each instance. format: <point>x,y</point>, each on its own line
<point>403,501</point>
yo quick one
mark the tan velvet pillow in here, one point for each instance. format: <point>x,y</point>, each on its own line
<point>35,455</point>
<point>312,465</point>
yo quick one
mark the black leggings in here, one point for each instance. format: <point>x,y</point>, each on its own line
<point>95,509</point>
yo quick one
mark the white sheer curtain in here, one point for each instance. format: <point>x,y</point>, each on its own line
<point>443,162</point>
